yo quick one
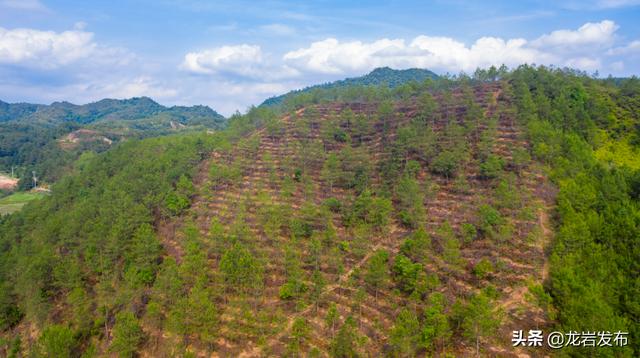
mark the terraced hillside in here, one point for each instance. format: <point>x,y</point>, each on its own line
<point>349,226</point>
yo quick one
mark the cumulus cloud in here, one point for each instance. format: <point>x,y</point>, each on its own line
<point>241,59</point>
<point>561,47</point>
<point>334,57</point>
<point>244,60</point>
<point>44,48</point>
<point>49,49</point>
<point>591,34</point>
<point>448,54</point>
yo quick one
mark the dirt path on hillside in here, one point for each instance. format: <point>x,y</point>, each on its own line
<point>543,219</point>
<point>393,232</point>
<point>517,296</point>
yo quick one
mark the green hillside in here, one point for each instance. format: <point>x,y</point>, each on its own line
<point>47,139</point>
<point>426,220</point>
<point>107,110</point>
<point>380,76</point>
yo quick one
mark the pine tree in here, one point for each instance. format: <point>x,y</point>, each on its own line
<point>428,108</point>
<point>405,334</point>
<point>330,173</point>
<point>127,334</point>
<point>154,319</point>
<point>317,287</point>
<point>436,330</point>
<point>386,115</point>
<point>294,287</point>
<point>479,319</point>
<point>195,314</point>
<point>344,344</point>
<point>56,341</point>
<point>332,318</point>
<point>241,270</point>
<point>299,333</point>
<point>377,271</point>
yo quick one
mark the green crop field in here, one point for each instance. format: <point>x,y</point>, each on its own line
<point>15,202</point>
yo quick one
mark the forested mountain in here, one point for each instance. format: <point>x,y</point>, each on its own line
<point>428,219</point>
<point>108,110</point>
<point>380,76</point>
<point>48,138</point>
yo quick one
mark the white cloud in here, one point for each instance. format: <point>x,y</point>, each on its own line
<point>631,48</point>
<point>31,5</point>
<point>333,57</point>
<point>45,49</point>
<point>240,60</point>
<point>590,34</point>
<point>49,49</point>
<point>562,48</point>
<point>451,55</point>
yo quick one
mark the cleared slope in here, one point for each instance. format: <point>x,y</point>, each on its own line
<point>281,171</point>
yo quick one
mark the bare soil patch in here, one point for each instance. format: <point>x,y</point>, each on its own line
<point>7,183</point>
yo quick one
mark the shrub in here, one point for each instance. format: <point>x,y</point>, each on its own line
<point>446,164</point>
<point>469,232</point>
<point>491,167</point>
<point>482,268</point>
<point>489,219</point>
<point>57,341</point>
<point>406,272</point>
<point>333,204</point>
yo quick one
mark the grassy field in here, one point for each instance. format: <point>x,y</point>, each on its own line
<point>15,202</point>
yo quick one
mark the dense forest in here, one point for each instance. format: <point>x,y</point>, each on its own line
<point>48,139</point>
<point>427,218</point>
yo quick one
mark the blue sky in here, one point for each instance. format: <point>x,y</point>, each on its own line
<point>230,55</point>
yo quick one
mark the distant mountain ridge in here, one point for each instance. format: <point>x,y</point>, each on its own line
<point>108,109</point>
<point>47,139</point>
<point>381,75</point>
